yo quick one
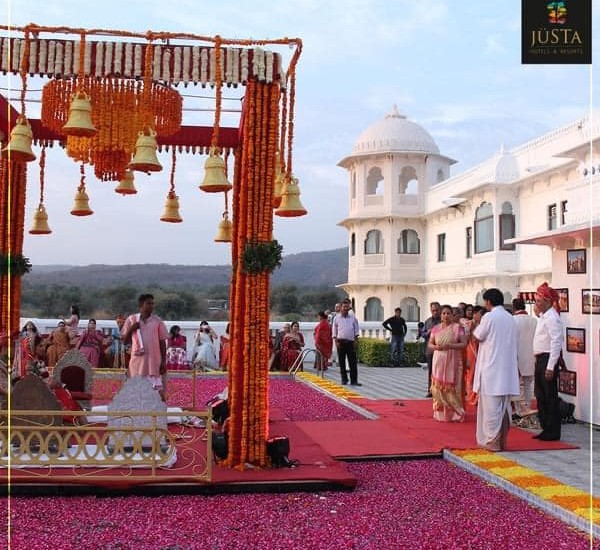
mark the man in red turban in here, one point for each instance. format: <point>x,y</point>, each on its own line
<point>547,347</point>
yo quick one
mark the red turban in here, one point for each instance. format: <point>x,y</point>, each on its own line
<point>547,293</point>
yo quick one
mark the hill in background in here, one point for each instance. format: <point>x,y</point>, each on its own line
<point>324,269</point>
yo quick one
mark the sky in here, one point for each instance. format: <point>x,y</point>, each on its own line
<point>452,67</point>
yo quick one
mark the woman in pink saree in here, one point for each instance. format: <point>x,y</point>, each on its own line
<point>91,344</point>
<point>447,342</point>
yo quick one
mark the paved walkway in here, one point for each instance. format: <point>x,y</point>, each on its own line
<point>578,467</point>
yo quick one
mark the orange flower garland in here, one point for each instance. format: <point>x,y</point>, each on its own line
<point>120,108</point>
<point>252,212</point>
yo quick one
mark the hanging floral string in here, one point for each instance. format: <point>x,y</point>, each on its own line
<point>42,173</point>
<point>214,142</point>
<point>172,177</point>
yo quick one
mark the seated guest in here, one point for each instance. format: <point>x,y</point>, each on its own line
<point>91,344</point>
<point>60,343</point>
<point>176,348</point>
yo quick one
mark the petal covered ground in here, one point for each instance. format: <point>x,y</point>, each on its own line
<point>396,505</point>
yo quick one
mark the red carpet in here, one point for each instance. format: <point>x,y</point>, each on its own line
<point>406,428</point>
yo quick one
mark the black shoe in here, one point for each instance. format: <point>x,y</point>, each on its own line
<point>344,382</point>
<point>537,436</point>
<point>428,396</point>
<point>548,437</point>
<point>355,384</point>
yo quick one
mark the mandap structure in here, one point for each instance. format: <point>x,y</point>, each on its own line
<point>111,99</point>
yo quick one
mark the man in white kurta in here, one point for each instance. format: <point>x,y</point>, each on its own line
<point>496,372</point>
<point>526,325</point>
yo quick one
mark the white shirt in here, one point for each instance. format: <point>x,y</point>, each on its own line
<point>496,371</point>
<point>526,325</point>
<point>549,336</point>
<point>345,328</point>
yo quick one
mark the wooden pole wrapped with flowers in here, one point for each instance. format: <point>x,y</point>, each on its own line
<point>254,256</point>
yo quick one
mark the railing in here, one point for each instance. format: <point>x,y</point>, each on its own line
<point>299,361</point>
<point>368,329</point>
<point>93,452</point>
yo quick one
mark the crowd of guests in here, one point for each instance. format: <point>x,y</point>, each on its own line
<point>497,358</point>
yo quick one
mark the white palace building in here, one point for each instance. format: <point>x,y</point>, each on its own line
<point>417,235</point>
<point>527,215</point>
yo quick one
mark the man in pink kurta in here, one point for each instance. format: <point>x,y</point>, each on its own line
<point>147,334</point>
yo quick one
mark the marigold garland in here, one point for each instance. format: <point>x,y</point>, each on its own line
<point>249,297</point>
<point>570,498</point>
<point>119,109</point>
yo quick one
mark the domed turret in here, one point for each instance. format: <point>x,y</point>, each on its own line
<point>395,133</point>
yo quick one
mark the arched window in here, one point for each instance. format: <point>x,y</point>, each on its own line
<point>375,176</point>
<point>440,176</point>
<point>409,243</point>
<point>507,298</point>
<point>353,244</point>
<point>479,297</point>
<point>484,228</point>
<point>410,309</point>
<point>373,310</point>
<point>353,186</point>
<point>408,184</point>
<point>506,226</point>
<point>374,242</point>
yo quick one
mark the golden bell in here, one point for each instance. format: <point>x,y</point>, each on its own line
<point>126,186</point>
<point>290,201</point>
<point>278,190</point>
<point>145,159</point>
<point>224,230</point>
<point>40,222</point>
<point>81,206</point>
<point>215,180</point>
<point>80,117</point>
<point>171,211</point>
<point>19,146</point>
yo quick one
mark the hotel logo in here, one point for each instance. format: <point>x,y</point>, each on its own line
<point>556,32</point>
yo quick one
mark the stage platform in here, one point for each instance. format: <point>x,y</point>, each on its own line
<point>404,429</point>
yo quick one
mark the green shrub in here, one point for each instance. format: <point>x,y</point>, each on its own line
<point>376,353</point>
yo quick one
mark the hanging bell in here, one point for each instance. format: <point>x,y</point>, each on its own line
<point>40,222</point>
<point>145,159</point>
<point>80,117</point>
<point>290,200</point>
<point>224,230</point>
<point>126,186</point>
<point>81,206</point>
<point>278,190</point>
<point>215,180</point>
<point>19,146</point>
<point>171,211</point>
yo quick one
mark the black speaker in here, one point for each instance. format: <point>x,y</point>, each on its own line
<point>219,410</point>
<point>278,449</point>
<point>219,445</point>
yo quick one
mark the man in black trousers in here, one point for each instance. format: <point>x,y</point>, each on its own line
<point>547,346</point>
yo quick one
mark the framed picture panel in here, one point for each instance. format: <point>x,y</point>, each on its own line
<point>590,300</point>
<point>576,340</point>
<point>576,261</point>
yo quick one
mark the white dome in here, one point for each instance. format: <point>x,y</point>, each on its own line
<point>507,167</point>
<point>395,134</point>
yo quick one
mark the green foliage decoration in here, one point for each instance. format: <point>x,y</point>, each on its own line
<point>376,353</point>
<point>260,257</point>
<point>16,264</point>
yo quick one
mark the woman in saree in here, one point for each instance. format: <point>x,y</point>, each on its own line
<point>291,346</point>
<point>447,341</point>
<point>29,342</point>
<point>471,357</point>
<point>60,343</point>
<point>224,350</point>
<point>91,344</point>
